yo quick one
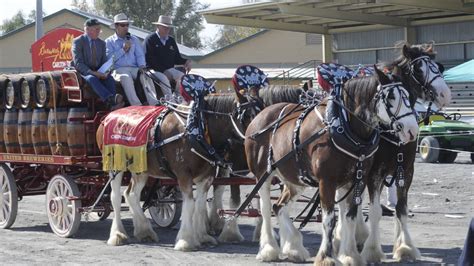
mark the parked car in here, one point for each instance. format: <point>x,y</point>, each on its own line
<point>442,136</point>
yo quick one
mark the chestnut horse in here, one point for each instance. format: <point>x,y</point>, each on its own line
<point>369,100</point>
<point>223,114</point>
<point>422,77</point>
<point>230,231</point>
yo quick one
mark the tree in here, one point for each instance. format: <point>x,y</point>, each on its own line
<point>229,34</point>
<point>17,21</point>
<point>188,23</point>
<point>142,12</point>
<point>82,5</point>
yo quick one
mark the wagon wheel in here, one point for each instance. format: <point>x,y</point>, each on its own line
<point>8,197</point>
<point>63,214</point>
<point>165,210</point>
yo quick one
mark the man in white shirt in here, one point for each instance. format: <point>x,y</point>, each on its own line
<point>129,58</point>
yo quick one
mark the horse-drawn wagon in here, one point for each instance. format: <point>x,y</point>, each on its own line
<point>48,123</point>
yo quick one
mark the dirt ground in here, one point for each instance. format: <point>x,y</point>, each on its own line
<point>441,200</point>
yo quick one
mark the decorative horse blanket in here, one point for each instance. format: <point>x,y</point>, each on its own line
<point>126,135</point>
<point>247,76</point>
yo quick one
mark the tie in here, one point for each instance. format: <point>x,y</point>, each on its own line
<point>94,54</point>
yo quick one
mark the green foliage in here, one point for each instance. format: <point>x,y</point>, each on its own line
<point>142,12</point>
<point>229,34</point>
<point>188,23</point>
<point>17,21</point>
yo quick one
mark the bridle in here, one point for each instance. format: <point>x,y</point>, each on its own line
<point>382,94</point>
<point>430,67</point>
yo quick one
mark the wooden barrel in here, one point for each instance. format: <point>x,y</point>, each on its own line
<point>50,85</point>
<point>4,83</point>
<point>10,131</point>
<point>79,141</point>
<point>27,97</point>
<point>12,94</point>
<point>24,131</point>
<point>2,141</point>
<point>39,132</point>
<point>57,131</point>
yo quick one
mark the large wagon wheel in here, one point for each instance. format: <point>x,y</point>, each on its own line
<point>8,197</point>
<point>63,214</point>
<point>165,210</point>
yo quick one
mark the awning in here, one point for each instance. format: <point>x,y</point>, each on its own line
<point>334,16</point>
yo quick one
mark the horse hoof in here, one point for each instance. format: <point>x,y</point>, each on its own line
<point>296,255</point>
<point>117,240</point>
<point>183,245</point>
<point>406,253</point>
<point>147,236</point>
<point>354,259</point>
<point>324,261</point>
<point>230,237</point>
<point>373,254</point>
<point>268,253</point>
<point>208,241</point>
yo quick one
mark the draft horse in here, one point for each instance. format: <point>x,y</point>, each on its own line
<point>224,115</point>
<point>422,77</point>
<point>368,101</point>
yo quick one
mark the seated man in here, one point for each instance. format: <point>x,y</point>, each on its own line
<point>88,53</point>
<point>128,56</point>
<point>162,54</point>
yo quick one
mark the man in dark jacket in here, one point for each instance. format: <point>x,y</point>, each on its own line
<point>162,54</point>
<point>88,53</point>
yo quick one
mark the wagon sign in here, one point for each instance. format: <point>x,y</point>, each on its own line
<point>53,51</point>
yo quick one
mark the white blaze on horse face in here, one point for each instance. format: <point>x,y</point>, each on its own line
<point>441,89</point>
<point>406,127</point>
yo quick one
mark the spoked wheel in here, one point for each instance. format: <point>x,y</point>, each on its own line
<point>8,197</point>
<point>63,214</point>
<point>165,209</point>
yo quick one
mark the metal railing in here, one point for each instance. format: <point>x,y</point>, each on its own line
<point>305,71</point>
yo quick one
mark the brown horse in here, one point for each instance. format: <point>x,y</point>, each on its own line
<point>230,231</point>
<point>325,163</point>
<point>186,166</point>
<point>421,76</point>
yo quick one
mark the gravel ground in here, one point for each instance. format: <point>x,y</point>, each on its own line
<point>441,200</point>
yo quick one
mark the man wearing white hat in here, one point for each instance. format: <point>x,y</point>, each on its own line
<point>162,54</point>
<point>128,55</point>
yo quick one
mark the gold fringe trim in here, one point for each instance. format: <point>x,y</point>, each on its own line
<point>117,157</point>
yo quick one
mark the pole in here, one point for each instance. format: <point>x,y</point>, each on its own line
<point>39,19</point>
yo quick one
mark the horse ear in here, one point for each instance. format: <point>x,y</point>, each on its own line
<point>239,97</point>
<point>383,79</point>
<point>406,51</point>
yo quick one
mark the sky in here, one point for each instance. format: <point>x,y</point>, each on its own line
<point>11,7</point>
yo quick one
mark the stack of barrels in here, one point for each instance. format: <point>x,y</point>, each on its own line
<point>35,117</point>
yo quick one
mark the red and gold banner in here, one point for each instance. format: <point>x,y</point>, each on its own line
<point>126,134</point>
<point>53,50</point>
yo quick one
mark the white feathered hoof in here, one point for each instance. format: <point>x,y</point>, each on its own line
<point>117,239</point>
<point>184,245</point>
<point>295,254</point>
<point>406,253</point>
<point>147,236</point>
<point>353,260</point>
<point>269,253</point>
<point>324,261</point>
<point>373,254</point>
<point>231,233</point>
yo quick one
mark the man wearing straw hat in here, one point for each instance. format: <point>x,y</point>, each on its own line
<point>162,54</point>
<point>88,53</point>
<point>127,53</point>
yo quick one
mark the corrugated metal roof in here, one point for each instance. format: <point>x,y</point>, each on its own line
<point>335,16</point>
